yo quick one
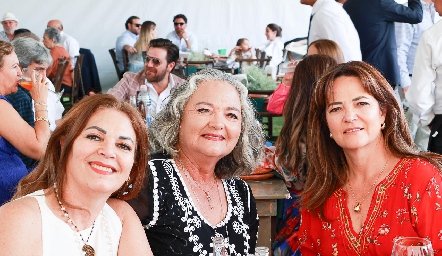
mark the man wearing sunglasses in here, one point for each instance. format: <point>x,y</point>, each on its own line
<point>160,60</point>
<point>127,39</point>
<point>185,41</point>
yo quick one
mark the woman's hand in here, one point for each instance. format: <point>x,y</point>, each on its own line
<point>39,92</point>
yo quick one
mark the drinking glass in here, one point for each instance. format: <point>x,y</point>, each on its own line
<point>262,251</point>
<point>412,246</point>
<point>26,82</point>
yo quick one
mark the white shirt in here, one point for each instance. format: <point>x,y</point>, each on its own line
<point>159,101</point>
<point>126,38</point>
<point>55,107</point>
<point>425,92</point>
<point>275,49</point>
<point>181,42</point>
<point>331,21</point>
<point>407,39</point>
<point>71,45</point>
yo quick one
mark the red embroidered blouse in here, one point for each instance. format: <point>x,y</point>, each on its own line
<point>406,203</point>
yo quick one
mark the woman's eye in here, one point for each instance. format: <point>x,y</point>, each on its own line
<point>203,110</point>
<point>363,103</point>
<point>125,147</point>
<point>93,137</point>
<point>232,116</point>
<point>335,109</point>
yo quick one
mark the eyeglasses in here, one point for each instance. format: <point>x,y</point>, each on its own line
<point>179,23</point>
<point>137,25</point>
<point>156,62</point>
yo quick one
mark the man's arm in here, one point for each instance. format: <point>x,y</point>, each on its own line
<point>400,13</point>
<point>120,90</point>
<point>420,94</point>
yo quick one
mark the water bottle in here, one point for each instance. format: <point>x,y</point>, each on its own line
<point>144,103</point>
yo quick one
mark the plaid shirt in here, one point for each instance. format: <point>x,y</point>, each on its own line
<point>129,85</point>
<point>22,102</point>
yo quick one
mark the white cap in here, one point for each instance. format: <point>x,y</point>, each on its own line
<point>299,47</point>
<point>143,87</point>
<point>9,16</point>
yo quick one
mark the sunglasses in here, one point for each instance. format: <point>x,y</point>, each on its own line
<point>179,23</point>
<point>156,62</point>
<point>137,25</point>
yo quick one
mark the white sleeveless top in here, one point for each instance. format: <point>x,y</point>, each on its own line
<point>59,239</point>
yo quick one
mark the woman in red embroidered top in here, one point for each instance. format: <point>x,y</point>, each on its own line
<point>366,184</point>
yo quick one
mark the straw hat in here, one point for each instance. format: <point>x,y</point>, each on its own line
<point>9,16</point>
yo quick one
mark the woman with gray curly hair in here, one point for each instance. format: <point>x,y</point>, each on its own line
<point>205,137</point>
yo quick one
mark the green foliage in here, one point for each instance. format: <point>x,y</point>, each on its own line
<point>258,79</point>
<point>197,56</point>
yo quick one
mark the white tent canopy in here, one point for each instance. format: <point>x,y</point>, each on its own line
<point>217,24</point>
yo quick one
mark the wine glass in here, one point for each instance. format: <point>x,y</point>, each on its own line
<point>412,246</point>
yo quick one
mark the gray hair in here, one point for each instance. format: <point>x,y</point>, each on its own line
<point>28,51</point>
<point>248,152</point>
<point>53,33</point>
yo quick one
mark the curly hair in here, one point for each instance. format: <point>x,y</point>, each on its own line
<point>52,168</point>
<point>5,49</point>
<point>164,130</point>
<point>328,168</point>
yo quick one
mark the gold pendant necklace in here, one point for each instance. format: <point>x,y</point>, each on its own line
<point>358,207</point>
<point>89,250</point>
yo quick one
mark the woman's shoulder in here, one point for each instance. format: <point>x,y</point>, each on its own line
<point>239,184</point>
<point>121,208</point>
<point>21,215</point>
<point>17,218</point>
<point>419,170</point>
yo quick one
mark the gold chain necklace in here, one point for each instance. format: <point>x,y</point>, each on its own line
<point>358,207</point>
<point>190,178</point>
<point>89,250</point>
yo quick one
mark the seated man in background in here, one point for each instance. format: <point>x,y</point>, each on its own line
<point>127,40</point>
<point>34,56</point>
<point>185,41</point>
<point>160,60</point>
<point>68,42</point>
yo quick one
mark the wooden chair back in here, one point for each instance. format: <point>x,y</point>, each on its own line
<point>261,63</point>
<point>69,99</point>
<point>58,78</point>
<point>114,59</point>
<point>125,60</point>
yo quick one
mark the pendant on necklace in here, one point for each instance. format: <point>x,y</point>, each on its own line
<point>209,199</point>
<point>89,250</point>
<point>357,208</point>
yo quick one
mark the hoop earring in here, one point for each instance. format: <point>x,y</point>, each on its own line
<point>383,126</point>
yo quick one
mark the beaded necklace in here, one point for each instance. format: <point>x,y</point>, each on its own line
<point>89,250</point>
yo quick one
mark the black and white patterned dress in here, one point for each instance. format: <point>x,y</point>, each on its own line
<point>174,226</point>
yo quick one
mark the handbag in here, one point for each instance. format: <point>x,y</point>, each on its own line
<point>277,99</point>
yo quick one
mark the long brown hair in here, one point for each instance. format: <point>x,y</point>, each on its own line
<point>292,138</point>
<point>328,168</point>
<point>52,168</point>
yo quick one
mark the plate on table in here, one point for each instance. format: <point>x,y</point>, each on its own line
<point>257,176</point>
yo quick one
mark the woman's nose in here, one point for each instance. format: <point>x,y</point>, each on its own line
<point>350,115</point>
<point>216,121</point>
<point>107,150</point>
